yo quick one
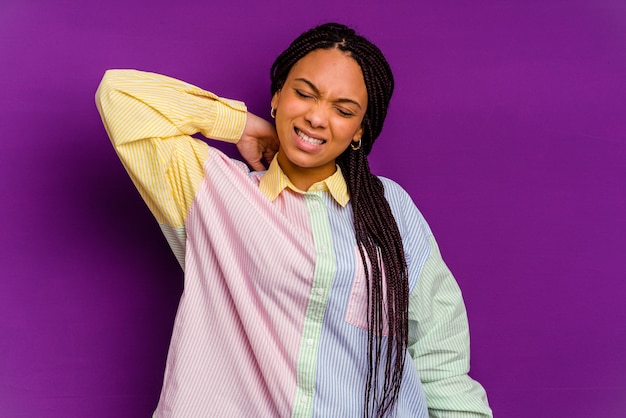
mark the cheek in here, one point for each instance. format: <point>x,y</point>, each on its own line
<point>348,128</point>
<point>292,108</point>
<point>284,126</point>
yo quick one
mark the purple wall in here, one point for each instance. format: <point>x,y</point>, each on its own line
<point>507,128</point>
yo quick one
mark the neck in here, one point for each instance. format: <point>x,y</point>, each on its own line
<point>305,177</point>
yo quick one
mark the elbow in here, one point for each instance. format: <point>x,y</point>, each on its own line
<point>107,84</point>
<point>106,93</point>
<point>105,98</point>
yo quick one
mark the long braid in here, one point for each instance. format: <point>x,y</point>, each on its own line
<point>376,231</point>
<point>378,241</point>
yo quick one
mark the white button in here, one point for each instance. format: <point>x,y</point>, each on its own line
<point>320,291</point>
<point>310,342</point>
<point>314,205</point>
<point>323,249</point>
<point>303,399</point>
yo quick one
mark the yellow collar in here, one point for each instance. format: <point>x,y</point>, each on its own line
<point>274,181</point>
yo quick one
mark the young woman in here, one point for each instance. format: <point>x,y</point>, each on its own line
<point>312,288</point>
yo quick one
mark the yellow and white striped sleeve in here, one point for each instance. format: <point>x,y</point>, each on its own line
<point>149,118</point>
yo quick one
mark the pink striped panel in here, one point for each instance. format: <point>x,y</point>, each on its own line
<point>249,268</point>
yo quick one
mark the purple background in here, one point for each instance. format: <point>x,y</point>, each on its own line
<point>507,128</point>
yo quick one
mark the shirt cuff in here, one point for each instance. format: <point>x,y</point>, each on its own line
<point>229,120</point>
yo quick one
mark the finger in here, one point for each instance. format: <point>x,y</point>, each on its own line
<point>257,165</point>
<point>269,155</point>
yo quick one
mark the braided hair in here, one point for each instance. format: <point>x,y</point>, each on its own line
<point>376,231</point>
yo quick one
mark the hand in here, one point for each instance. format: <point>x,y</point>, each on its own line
<point>259,140</point>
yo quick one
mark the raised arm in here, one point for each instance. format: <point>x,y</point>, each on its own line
<point>164,107</point>
<point>149,118</point>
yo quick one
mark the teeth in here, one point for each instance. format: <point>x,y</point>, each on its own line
<point>308,139</point>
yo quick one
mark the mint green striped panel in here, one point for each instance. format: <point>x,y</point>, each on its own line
<point>322,282</point>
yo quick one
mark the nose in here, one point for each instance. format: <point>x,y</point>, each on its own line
<point>317,116</point>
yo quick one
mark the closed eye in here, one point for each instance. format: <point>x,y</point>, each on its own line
<point>345,113</point>
<point>302,94</point>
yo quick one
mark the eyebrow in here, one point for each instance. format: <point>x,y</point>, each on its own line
<point>317,91</point>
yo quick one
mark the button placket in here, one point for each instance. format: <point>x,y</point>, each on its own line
<point>324,274</point>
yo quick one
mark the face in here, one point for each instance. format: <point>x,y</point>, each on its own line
<point>319,112</point>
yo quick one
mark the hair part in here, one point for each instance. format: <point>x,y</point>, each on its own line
<point>376,231</point>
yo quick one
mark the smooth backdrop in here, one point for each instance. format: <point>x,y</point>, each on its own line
<point>507,128</point>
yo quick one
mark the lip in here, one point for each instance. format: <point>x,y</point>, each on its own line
<point>309,134</point>
<point>307,146</point>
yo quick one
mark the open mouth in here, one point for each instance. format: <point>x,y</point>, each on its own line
<point>308,139</point>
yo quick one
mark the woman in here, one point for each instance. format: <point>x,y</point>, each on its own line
<point>313,288</point>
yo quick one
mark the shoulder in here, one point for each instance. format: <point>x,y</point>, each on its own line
<point>406,212</point>
<point>417,237</point>
<point>393,189</point>
<point>397,196</point>
<point>222,165</point>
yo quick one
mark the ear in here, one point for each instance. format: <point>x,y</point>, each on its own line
<point>357,135</point>
<point>275,99</point>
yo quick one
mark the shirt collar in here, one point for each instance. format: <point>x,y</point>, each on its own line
<point>274,181</point>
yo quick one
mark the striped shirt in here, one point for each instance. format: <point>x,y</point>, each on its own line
<point>272,321</point>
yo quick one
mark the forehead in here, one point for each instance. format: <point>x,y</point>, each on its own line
<point>332,72</point>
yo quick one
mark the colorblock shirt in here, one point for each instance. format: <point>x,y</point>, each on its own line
<point>272,321</point>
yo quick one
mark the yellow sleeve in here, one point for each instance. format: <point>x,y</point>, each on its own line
<point>149,118</point>
<point>440,347</point>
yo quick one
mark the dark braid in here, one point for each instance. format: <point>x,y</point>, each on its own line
<point>377,234</point>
